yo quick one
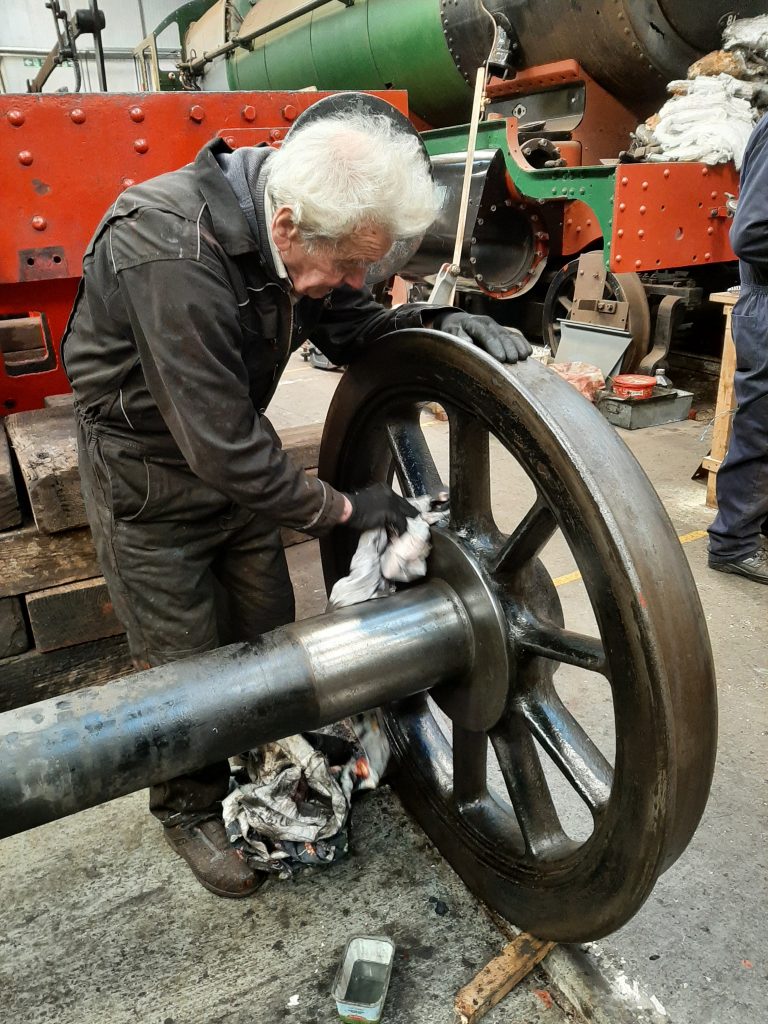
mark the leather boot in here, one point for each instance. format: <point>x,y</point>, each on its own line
<point>216,864</point>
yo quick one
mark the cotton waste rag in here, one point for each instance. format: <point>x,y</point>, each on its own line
<point>707,119</point>
<point>289,807</point>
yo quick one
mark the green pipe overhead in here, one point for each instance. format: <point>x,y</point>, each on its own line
<point>432,48</point>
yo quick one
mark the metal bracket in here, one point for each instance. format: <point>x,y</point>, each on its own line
<point>589,306</point>
<point>668,316</point>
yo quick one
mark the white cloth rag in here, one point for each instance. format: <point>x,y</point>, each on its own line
<point>708,119</point>
<point>380,561</point>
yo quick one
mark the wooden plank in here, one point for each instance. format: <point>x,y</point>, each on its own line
<point>45,444</point>
<point>724,409</point>
<point>499,977</point>
<point>13,629</point>
<point>73,613</point>
<point>32,561</point>
<point>53,400</point>
<point>9,501</point>
<point>302,444</point>
<point>46,448</point>
<point>31,677</point>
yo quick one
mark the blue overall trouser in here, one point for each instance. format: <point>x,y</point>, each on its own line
<point>742,480</point>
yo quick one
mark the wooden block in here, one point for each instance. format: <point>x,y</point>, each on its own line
<point>73,613</point>
<point>13,628</point>
<point>32,561</point>
<point>33,676</point>
<point>50,401</point>
<point>302,444</point>
<point>499,977</point>
<point>9,502</point>
<point>46,449</point>
<point>291,537</point>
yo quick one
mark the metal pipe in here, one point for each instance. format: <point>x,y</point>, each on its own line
<point>67,753</point>
<point>196,65</point>
<point>101,70</point>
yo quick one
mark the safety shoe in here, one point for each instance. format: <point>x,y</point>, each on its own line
<point>215,863</point>
<point>754,568</point>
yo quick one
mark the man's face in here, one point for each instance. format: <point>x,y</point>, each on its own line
<point>316,273</point>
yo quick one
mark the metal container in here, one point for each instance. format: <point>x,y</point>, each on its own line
<point>363,977</point>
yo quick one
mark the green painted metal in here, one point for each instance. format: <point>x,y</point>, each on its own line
<point>373,44</point>
<point>594,186</point>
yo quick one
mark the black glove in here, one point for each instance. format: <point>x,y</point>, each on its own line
<point>506,344</point>
<point>377,506</point>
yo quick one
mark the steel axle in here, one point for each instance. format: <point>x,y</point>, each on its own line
<point>67,753</point>
<point>560,771</point>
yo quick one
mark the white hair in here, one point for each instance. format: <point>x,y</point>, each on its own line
<point>349,171</point>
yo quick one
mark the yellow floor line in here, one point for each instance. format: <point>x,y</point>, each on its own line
<point>684,538</point>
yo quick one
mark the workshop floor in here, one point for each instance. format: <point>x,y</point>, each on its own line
<point>102,924</point>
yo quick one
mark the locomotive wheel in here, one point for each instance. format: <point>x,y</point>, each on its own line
<point>511,848</point>
<point>558,303</point>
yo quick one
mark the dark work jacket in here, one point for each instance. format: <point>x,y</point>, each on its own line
<point>749,231</point>
<point>181,330</point>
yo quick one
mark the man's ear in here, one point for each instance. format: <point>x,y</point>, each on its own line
<point>284,231</point>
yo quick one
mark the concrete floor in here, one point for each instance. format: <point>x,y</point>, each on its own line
<point>102,924</point>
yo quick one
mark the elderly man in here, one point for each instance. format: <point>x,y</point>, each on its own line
<point>197,287</point>
<point>735,541</point>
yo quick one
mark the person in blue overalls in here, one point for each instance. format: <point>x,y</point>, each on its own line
<point>737,537</point>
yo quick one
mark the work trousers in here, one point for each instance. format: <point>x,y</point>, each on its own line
<point>742,480</point>
<point>186,570</point>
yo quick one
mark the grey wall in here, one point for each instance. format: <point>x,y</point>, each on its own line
<point>28,25</point>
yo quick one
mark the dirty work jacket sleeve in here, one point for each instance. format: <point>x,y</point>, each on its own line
<point>352,319</point>
<point>749,231</point>
<point>184,318</point>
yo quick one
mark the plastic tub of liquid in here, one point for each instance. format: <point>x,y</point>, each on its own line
<point>363,977</point>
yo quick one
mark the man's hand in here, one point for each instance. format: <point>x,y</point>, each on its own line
<point>378,506</point>
<point>506,344</point>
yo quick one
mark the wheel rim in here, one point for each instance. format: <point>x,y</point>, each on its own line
<point>515,853</point>
<point>558,304</point>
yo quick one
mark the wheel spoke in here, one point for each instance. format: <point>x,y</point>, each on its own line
<point>566,301</point>
<point>527,540</point>
<point>470,765</point>
<point>470,471</point>
<point>415,467</point>
<point>527,786</point>
<point>548,640</point>
<point>570,748</point>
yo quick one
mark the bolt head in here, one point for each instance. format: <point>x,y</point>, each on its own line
<point>249,112</point>
<point>196,113</point>
<point>290,113</point>
<point>136,114</point>
<point>16,118</point>
<point>25,157</point>
<point>77,115</point>
<point>141,145</point>
<point>39,223</point>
